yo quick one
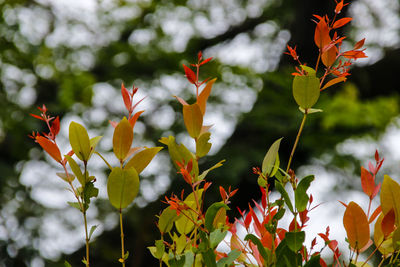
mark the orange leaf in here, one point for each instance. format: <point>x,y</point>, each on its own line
<point>359,44</point>
<point>356,224</point>
<point>341,22</point>
<point>55,126</point>
<point>183,102</point>
<point>329,56</point>
<point>354,54</point>
<point>375,214</point>
<point>132,120</point>
<point>367,182</point>
<point>388,223</point>
<point>50,147</point>
<point>334,81</point>
<point>202,99</point>
<point>126,97</point>
<point>321,36</point>
<point>193,119</point>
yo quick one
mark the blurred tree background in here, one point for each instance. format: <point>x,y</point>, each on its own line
<point>74,55</point>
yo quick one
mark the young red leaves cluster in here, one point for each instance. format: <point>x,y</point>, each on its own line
<point>48,140</point>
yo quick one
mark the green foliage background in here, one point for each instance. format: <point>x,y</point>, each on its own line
<point>63,56</point>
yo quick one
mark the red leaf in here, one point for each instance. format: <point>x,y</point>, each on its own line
<point>37,117</point>
<point>359,44</point>
<point>247,220</point>
<point>339,7</point>
<point>222,192</point>
<point>367,182</point>
<point>333,81</point>
<point>376,190</point>
<point>341,22</point>
<point>55,126</point>
<point>126,97</point>
<point>344,204</point>
<point>183,102</point>
<point>190,74</point>
<point>387,224</point>
<point>329,56</point>
<point>50,147</point>
<point>205,61</point>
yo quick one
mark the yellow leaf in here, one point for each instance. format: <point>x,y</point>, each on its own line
<point>79,140</point>
<point>390,197</point>
<point>122,139</point>
<point>193,119</point>
<point>202,99</point>
<point>141,159</point>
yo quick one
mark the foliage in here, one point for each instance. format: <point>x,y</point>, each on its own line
<point>192,232</point>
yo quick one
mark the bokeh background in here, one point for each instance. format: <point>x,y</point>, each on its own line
<point>73,56</point>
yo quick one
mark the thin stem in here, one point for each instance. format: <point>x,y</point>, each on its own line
<point>373,252</point>
<point>297,140</point>
<point>319,57</point>
<point>122,260</point>
<point>86,239</point>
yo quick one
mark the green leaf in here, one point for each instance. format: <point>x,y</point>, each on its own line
<point>285,195</point>
<point>141,159</point>
<point>295,240</point>
<point>396,239</point>
<point>76,170</point>
<point>260,247</point>
<point>216,237</point>
<point>310,110</point>
<point>313,261</point>
<point>166,220</point>
<point>310,71</point>
<point>66,178</point>
<point>285,257</point>
<point>183,224</point>
<point>228,261</point>
<point>66,264</point>
<point>211,213</point>
<point>79,140</point>
<point>122,139</point>
<point>160,249</point>
<point>122,187</point>
<point>202,145</point>
<point>92,229</point>
<point>193,119</point>
<point>179,153</point>
<point>204,173</point>
<point>300,194</point>
<point>75,205</point>
<point>189,259</point>
<point>89,191</point>
<point>93,143</point>
<point>209,258</point>
<point>270,158</point>
<point>306,90</point>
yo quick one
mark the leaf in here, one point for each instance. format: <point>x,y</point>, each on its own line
<point>229,259</point>
<point>76,170</point>
<point>75,205</point>
<point>141,159</point>
<point>396,239</point>
<point>204,173</point>
<point>193,119</point>
<point>359,44</point>
<point>160,249</point>
<point>179,153</point>
<point>79,140</point>
<point>387,245</point>
<point>183,224</point>
<point>341,22</point>
<point>122,139</point>
<point>270,158</point>
<point>367,182</point>
<point>182,101</point>
<point>202,145</point>
<point>387,224</point>
<point>390,197</point>
<point>166,220</point>
<point>93,143</point>
<point>306,90</point>
<point>375,214</point>
<point>285,195</point>
<point>122,187</point>
<point>211,213</point>
<point>216,237</point>
<point>203,96</point>
<point>66,178</point>
<point>190,75</point>
<point>301,197</point>
<point>50,147</point>
<point>356,224</point>
<point>126,97</point>
<point>209,258</point>
<point>66,264</point>
<point>260,247</point>
<point>329,55</point>
<point>333,81</point>
<point>92,229</point>
<point>295,240</point>
<point>321,36</point>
